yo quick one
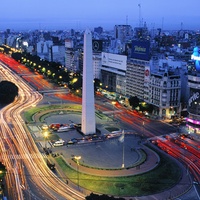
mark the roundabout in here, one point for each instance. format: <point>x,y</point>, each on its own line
<point>100,167</point>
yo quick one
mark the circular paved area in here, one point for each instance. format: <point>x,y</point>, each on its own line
<point>107,154</point>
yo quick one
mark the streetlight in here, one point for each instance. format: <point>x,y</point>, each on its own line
<point>113,103</point>
<point>77,158</point>
<point>142,129</point>
<point>45,136</point>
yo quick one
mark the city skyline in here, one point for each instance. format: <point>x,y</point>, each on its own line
<point>47,15</point>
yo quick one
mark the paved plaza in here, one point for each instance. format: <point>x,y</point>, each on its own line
<point>110,153</point>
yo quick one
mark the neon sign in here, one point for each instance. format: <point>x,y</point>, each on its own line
<point>193,121</point>
<point>139,49</point>
<point>194,97</point>
<point>196,57</point>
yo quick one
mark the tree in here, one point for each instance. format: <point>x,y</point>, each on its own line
<point>101,197</point>
<point>17,56</point>
<point>8,92</point>
<point>97,83</point>
<point>134,101</point>
<point>150,108</point>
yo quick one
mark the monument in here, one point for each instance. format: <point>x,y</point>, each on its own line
<point>88,124</point>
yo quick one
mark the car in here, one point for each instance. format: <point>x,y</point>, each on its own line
<point>44,127</point>
<point>59,143</point>
<point>74,140</point>
<point>70,142</point>
<point>55,126</point>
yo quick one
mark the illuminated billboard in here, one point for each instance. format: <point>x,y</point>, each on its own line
<point>194,101</point>
<point>196,57</point>
<point>114,60</point>
<point>97,46</point>
<point>140,50</point>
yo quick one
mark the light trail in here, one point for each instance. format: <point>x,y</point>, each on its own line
<point>20,142</point>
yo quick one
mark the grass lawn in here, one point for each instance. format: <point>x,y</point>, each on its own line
<point>28,114</point>
<point>164,176</point>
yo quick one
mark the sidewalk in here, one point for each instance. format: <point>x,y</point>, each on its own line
<point>151,162</point>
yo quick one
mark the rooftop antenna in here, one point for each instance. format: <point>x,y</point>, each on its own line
<point>126,19</point>
<point>140,22</point>
<point>181,26</point>
<point>162,23</point>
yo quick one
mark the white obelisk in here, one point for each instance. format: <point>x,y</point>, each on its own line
<point>88,125</point>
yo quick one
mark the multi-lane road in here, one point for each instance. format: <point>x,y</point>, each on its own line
<point>25,164</point>
<point>183,148</point>
<point>28,176</point>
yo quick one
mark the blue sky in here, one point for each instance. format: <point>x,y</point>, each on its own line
<point>81,14</point>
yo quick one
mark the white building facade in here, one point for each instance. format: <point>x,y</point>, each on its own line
<point>165,93</point>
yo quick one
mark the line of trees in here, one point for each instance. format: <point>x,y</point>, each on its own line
<point>54,71</point>
<point>136,104</point>
<point>51,70</point>
<point>93,196</point>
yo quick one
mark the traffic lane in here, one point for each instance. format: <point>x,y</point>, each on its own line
<point>159,128</point>
<point>138,122</point>
<point>179,151</point>
<point>149,128</point>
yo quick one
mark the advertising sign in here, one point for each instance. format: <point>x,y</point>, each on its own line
<point>196,57</point>
<point>114,60</point>
<point>140,50</point>
<point>97,46</point>
<point>147,74</point>
<point>194,97</point>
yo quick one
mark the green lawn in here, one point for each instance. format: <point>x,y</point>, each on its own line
<point>164,176</point>
<point>28,114</point>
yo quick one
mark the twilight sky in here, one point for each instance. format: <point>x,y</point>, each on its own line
<point>81,14</point>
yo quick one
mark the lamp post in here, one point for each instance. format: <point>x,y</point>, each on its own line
<point>45,137</point>
<point>113,103</point>
<point>77,158</point>
<point>142,129</point>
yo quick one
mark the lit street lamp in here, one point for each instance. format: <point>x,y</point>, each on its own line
<point>77,158</point>
<point>113,103</point>
<point>142,129</point>
<point>45,137</point>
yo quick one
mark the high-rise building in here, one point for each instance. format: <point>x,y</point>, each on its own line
<point>123,32</point>
<point>98,30</point>
<point>135,77</point>
<point>193,120</point>
<point>138,69</point>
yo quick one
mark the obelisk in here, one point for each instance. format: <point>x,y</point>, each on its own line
<point>88,125</point>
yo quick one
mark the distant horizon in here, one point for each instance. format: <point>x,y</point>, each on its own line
<point>79,15</point>
<point>31,25</point>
